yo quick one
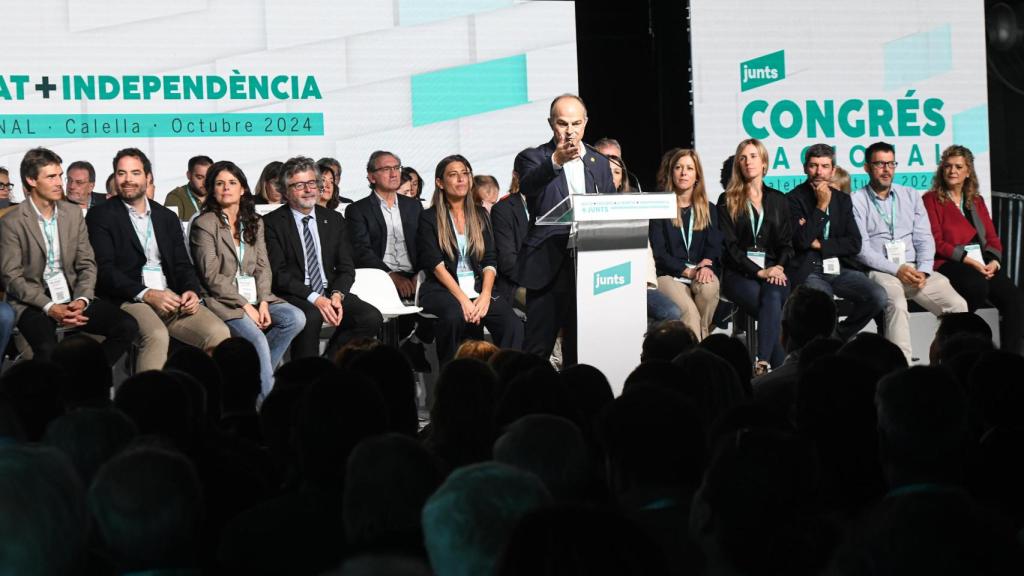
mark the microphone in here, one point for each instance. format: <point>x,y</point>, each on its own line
<point>591,174</point>
<point>634,178</point>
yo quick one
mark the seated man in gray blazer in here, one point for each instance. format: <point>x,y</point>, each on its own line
<point>48,267</point>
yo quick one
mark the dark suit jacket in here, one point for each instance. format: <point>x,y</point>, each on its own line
<point>670,254</point>
<point>509,224</point>
<point>544,248</point>
<point>775,238</point>
<point>288,262</point>
<point>368,232</point>
<point>431,254</point>
<point>843,238</point>
<point>120,256</point>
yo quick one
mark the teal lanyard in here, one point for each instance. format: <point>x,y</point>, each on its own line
<point>192,198</point>
<point>891,220</point>
<point>828,223</point>
<point>688,235</point>
<point>240,250</point>
<point>48,230</point>
<point>460,240</point>
<point>144,238</point>
<point>755,223</point>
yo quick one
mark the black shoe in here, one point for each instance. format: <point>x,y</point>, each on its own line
<point>415,353</point>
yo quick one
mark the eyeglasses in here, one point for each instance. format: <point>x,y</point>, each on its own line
<point>7,187</point>
<point>300,186</point>
<point>397,168</point>
<point>880,164</point>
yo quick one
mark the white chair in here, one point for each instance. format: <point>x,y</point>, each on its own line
<point>375,287</point>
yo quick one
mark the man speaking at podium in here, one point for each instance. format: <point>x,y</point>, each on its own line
<point>547,175</point>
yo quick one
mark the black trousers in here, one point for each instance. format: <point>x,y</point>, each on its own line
<point>359,320</point>
<point>117,327</point>
<point>998,290</point>
<point>550,309</point>
<point>450,327</point>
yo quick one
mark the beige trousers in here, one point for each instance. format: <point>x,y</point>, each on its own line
<point>937,297</point>
<point>204,330</point>
<point>696,301</point>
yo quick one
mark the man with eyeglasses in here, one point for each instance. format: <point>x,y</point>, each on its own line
<point>311,258</point>
<point>383,225</point>
<point>5,189</point>
<point>897,247</point>
<point>81,182</point>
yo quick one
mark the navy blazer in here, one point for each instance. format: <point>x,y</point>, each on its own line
<point>844,239</point>
<point>544,247</point>
<point>509,223</point>
<point>288,260</point>
<point>431,254</point>
<point>369,234</point>
<point>120,255</point>
<point>670,254</point>
<point>775,238</point>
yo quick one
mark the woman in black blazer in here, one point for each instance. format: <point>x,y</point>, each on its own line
<point>687,247</point>
<point>456,249</point>
<point>758,241</point>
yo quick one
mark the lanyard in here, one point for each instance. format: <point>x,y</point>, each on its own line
<point>460,240</point>
<point>240,250</point>
<point>144,238</point>
<point>891,220</point>
<point>192,198</point>
<point>48,230</point>
<point>688,235</point>
<point>755,224</point>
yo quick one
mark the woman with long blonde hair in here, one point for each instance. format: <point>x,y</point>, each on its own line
<point>758,241</point>
<point>456,249</point>
<point>687,248</point>
<point>967,249</point>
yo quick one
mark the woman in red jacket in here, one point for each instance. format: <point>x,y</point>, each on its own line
<point>967,249</point>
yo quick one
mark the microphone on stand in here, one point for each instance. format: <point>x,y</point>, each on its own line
<point>634,178</point>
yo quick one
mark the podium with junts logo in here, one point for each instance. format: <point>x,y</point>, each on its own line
<point>609,232</point>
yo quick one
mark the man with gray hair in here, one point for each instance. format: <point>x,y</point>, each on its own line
<point>826,242</point>
<point>608,147</point>
<point>311,258</point>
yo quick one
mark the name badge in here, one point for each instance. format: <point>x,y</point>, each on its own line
<point>247,288</point>
<point>830,266</point>
<point>58,285</point>
<point>896,252</point>
<point>467,282</point>
<point>153,278</point>
<point>974,253</point>
<point>756,258</point>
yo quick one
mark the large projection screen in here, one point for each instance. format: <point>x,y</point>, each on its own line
<point>796,72</point>
<point>257,81</point>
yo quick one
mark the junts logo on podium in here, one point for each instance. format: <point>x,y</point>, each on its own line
<point>611,278</point>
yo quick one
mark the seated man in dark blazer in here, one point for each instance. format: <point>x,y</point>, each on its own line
<point>547,175</point>
<point>383,225</point>
<point>826,242</point>
<point>310,256</point>
<point>509,221</point>
<point>48,266</point>
<point>144,266</point>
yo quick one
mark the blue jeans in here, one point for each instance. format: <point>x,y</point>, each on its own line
<point>661,307</point>
<point>6,327</point>
<point>868,297</point>
<point>286,322</point>
<point>764,300</point>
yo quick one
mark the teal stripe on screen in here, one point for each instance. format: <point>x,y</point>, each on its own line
<point>159,125</point>
<point>970,129</point>
<point>466,90</point>
<point>918,57</point>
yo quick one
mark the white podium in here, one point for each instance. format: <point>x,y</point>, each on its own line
<point>610,235</point>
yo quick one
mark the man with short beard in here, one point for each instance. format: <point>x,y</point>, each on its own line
<point>144,266</point>
<point>188,199</point>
